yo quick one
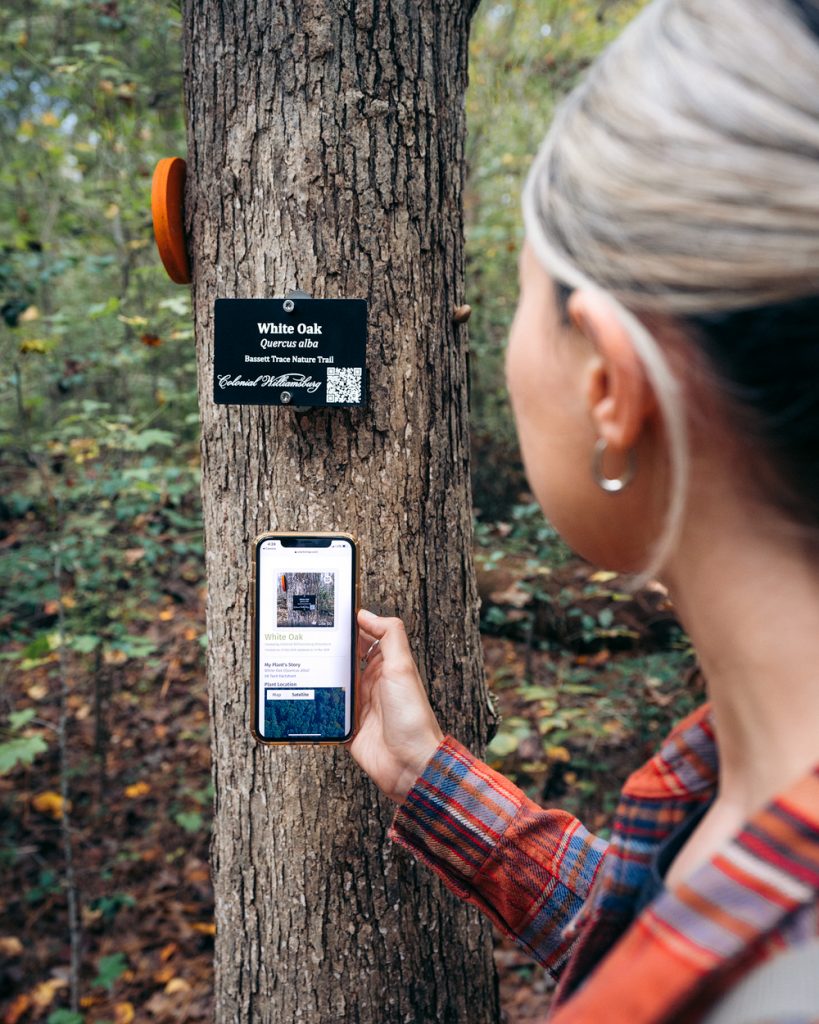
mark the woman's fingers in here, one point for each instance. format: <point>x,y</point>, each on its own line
<point>390,631</point>
<point>364,642</point>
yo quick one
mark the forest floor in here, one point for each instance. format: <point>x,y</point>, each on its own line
<point>587,679</point>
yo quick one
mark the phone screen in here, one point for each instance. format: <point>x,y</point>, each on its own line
<point>305,634</point>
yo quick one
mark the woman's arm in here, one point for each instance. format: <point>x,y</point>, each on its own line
<point>528,869</point>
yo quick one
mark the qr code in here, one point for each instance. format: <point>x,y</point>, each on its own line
<point>343,383</point>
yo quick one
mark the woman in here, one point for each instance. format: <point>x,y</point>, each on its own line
<point>663,367</point>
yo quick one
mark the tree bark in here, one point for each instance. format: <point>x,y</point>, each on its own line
<point>325,151</point>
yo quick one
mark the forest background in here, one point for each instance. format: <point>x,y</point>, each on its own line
<point>104,740</point>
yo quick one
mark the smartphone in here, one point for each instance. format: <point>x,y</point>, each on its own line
<point>305,590</point>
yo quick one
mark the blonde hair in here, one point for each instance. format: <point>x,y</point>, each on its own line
<point>680,178</point>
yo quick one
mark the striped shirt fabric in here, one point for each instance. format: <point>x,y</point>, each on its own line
<point>567,897</point>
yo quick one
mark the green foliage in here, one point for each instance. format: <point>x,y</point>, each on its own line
<point>63,1016</point>
<point>20,749</point>
<point>98,423</point>
<point>110,906</point>
<point>109,970</point>
<point>190,821</point>
<point>523,57</point>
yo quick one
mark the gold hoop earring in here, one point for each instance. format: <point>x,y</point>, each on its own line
<point>612,484</point>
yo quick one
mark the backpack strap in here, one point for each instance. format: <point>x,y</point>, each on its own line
<point>785,986</point>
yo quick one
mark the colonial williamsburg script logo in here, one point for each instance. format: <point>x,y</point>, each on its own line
<point>290,351</point>
<point>287,380</point>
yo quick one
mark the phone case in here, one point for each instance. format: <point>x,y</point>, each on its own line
<point>253,666</point>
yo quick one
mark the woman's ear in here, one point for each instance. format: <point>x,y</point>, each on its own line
<point>618,393</point>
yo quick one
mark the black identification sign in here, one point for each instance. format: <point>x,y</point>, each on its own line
<point>292,351</point>
<point>304,602</point>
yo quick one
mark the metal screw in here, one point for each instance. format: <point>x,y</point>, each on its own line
<point>289,305</point>
<point>285,397</point>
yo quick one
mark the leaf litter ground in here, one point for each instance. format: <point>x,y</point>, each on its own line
<point>587,680</point>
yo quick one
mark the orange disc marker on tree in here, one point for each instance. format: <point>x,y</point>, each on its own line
<point>167,201</point>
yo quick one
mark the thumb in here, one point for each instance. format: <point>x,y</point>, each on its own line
<point>390,631</point>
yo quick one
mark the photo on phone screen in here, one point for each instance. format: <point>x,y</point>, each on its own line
<point>305,633</point>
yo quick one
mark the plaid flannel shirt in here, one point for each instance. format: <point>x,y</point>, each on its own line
<point>566,896</point>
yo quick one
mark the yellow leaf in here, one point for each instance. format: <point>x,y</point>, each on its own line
<point>37,691</point>
<point>163,975</point>
<point>26,129</point>
<point>205,928</point>
<point>43,994</point>
<point>50,119</point>
<point>603,576</point>
<point>166,614</point>
<point>558,754</point>
<point>111,211</point>
<point>35,345</point>
<point>49,803</point>
<point>177,985</point>
<point>123,1013</point>
<point>137,789</point>
<point>133,321</point>
<point>168,951</point>
<point>10,946</point>
<point>29,314</point>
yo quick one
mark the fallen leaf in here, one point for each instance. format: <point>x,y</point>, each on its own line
<point>123,1013</point>
<point>205,928</point>
<point>43,994</point>
<point>18,1007</point>
<point>10,945</point>
<point>558,754</point>
<point>138,789</point>
<point>168,951</point>
<point>163,975</point>
<point>177,985</point>
<point>151,340</point>
<point>513,596</point>
<point>49,803</point>
<point>603,576</point>
<point>37,691</point>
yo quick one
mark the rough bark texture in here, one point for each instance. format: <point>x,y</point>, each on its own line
<point>325,151</point>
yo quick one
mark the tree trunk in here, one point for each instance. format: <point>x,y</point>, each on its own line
<point>325,151</point>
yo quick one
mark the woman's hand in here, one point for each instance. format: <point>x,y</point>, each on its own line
<point>397,729</point>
